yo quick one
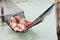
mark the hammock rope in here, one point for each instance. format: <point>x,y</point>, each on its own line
<point>40,18</point>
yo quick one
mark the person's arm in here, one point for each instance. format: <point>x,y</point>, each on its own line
<point>26,20</point>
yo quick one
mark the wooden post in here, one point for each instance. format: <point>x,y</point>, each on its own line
<point>57,6</point>
<point>2,17</point>
<point>2,13</point>
<point>57,0</point>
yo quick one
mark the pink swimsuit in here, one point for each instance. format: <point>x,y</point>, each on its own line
<point>27,23</point>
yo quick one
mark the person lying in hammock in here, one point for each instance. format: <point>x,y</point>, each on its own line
<point>17,23</point>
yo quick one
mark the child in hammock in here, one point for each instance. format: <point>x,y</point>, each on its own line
<point>18,24</point>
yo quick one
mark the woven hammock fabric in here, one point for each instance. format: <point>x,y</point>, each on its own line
<point>9,7</point>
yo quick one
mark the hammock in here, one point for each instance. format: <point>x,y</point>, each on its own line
<point>21,14</point>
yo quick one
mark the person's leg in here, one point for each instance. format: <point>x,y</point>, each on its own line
<point>12,23</point>
<point>18,29</point>
<point>21,26</point>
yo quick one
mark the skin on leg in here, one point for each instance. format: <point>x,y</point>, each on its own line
<point>12,22</point>
<point>17,29</point>
<point>21,26</point>
<point>20,22</point>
